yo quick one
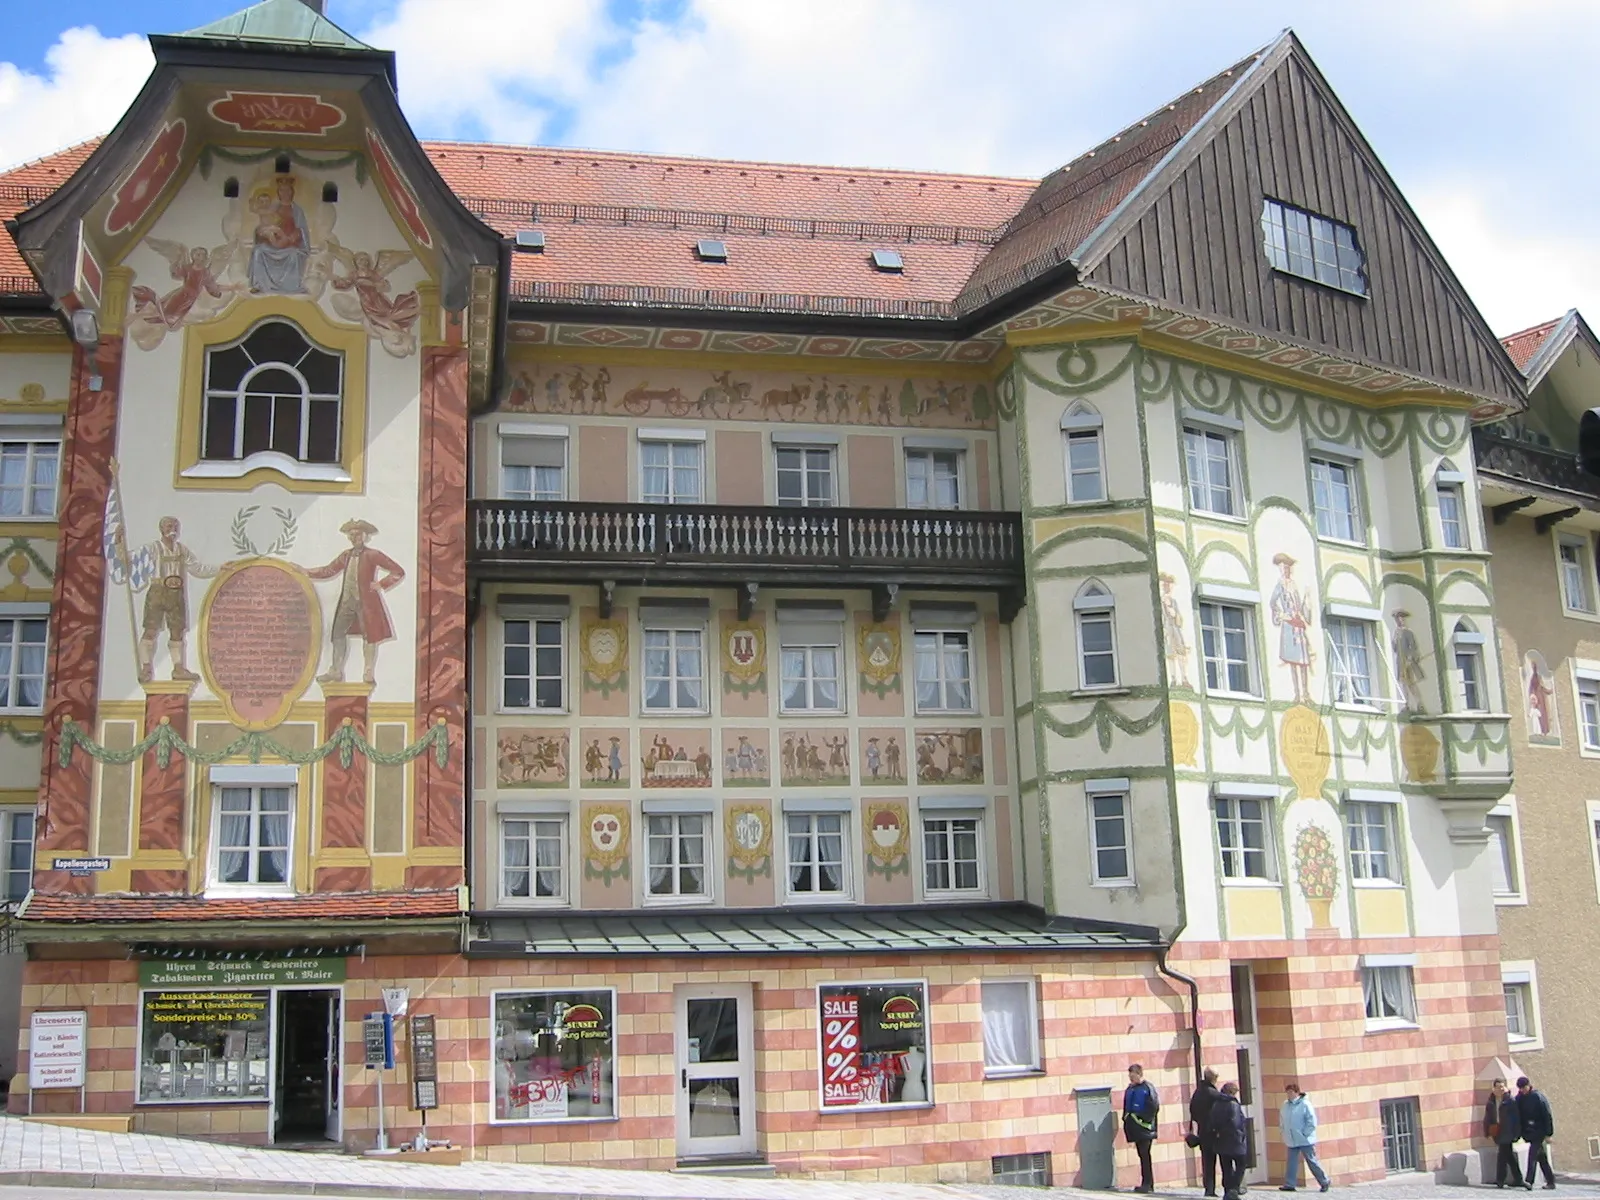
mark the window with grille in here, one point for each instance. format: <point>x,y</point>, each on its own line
<point>1314,247</point>
<point>1519,1011</point>
<point>273,390</point>
<point>28,477</point>
<point>1095,610</point>
<point>1402,1137</point>
<point>810,677</point>
<point>1022,1170</point>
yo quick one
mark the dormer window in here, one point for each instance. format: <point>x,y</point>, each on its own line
<point>274,390</point>
<point>1313,247</point>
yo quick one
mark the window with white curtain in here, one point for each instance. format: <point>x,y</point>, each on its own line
<point>1243,828</point>
<point>674,669</point>
<point>22,657</point>
<point>818,864</point>
<point>16,833</point>
<point>1577,574</point>
<point>252,832</point>
<point>1507,881</point>
<point>1589,711</point>
<point>1210,458</point>
<point>933,479</point>
<point>1335,499</point>
<point>1095,611</point>
<point>1369,831</point>
<point>944,670</point>
<point>952,856</point>
<point>533,859</point>
<point>1391,998</point>
<point>28,477</point>
<point>805,476</point>
<point>1350,658</point>
<point>533,467</point>
<point>1468,645</point>
<point>671,472</point>
<point>676,846</point>
<point>1084,448</point>
<point>1010,1026</point>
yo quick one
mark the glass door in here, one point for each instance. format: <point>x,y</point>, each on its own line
<point>715,1051</point>
<point>1247,1056</point>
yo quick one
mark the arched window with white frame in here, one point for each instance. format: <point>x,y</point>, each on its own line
<point>1083,445</point>
<point>1448,483</point>
<point>273,391</point>
<point>1094,609</point>
<point>1472,686</point>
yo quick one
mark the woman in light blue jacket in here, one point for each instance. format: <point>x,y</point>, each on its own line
<point>1298,1122</point>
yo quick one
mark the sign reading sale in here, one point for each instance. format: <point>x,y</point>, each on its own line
<point>841,1050</point>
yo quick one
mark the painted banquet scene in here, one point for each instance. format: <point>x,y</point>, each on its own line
<point>701,664</point>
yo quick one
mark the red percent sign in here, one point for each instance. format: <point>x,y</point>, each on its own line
<point>841,1050</point>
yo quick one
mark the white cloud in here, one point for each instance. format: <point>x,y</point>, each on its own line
<point>88,82</point>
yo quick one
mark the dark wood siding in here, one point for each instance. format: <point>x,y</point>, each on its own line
<point>1199,244</point>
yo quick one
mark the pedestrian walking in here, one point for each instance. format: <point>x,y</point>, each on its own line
<point>1200,1130</point>
<point>1141,1107</point>
<point>1502,1125</point>
<point>1297,1121</point>
<point>1538,1127</point>
<point>1225,1124</point>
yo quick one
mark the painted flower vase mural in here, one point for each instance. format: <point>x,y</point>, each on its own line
<point>1317,871</point>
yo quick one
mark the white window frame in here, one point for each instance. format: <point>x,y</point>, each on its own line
<point>1592,810</point>
<point>1470,669</point>
<point>31,441</point>
<point>16,614</point>
<point>1354,514</point>
<point>671,439</point>
<point>515,432</point>
<point>946,811</point>
<point>1447,481</point>
<point>810,810</point>
<point>1033,1063</point>
<point>805,632</point>
<point>253,778</point>
<point>1505,832</point>
<point>675,810</point>
<point>1579,571</point>
<point>533,815</point>
<point>1096,602</point>
<point>1340,675</point>
<point>1523,974</point>
<point>10,818</point>
<point>654,624</point>
<point>1400,967</point>
<point>807,472</point>
<point>1235,483</point>
<point>941,634</point>
<point>1228,809</point>
<point>1252,689</point>
<point>1586,682</point>
<point>930,457</point>
<point>299,464</point>
<point>1081,424</point>
<point>533,676</point>
<point>1118,790</point>
<point>1388,813</point>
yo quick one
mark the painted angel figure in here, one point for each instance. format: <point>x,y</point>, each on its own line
<point>199,295</point>
<point>390,319</point>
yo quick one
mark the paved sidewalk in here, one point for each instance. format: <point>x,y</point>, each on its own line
<point>35,1156</point>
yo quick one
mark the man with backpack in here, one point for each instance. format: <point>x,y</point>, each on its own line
<point>1538,1127</point>
<point>1199,1130</point>
<point>1140,1109</point>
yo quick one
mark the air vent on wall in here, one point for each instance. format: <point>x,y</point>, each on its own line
<point>888,260</point>
<point>710,250</point>
<point>531,240</point>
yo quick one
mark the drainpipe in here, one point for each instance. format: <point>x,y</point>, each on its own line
<point>1194,998</point>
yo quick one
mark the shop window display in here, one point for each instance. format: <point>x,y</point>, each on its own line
<point>205,1046</point>
<point>554,1056</point>
<point>874,1044</point>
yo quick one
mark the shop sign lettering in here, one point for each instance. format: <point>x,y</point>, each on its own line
<point>266,973</point>
<point>58,1048</point>
<point>841,1050</point>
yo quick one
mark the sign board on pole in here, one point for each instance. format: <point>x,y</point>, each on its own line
<point>374,1040</point>
<point>424,1062</point>
<point>58,1049</point>
<point>396,1001</point>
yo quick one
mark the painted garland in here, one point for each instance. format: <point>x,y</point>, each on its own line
<point>164,740</point>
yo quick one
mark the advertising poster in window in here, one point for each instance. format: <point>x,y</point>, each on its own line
<point>554,1056</point>
<point>874,1044</point>
<point>207,1046</point>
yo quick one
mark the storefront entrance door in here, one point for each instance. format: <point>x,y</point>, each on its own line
<point>1247,1056</point>
<point>716,1076</point>
<point>306,1099</point>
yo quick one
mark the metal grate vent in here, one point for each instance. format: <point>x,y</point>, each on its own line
<point>1022,1170</point>
<point>1402,1142</point>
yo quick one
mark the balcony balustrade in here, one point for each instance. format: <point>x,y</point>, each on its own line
<point>1531,463</point>
<point>714,543</point>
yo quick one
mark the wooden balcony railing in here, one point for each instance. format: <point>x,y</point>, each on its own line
<point>686,541</point>
<point>1521,459</point>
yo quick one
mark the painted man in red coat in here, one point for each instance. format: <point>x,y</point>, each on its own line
<point>364,575</point>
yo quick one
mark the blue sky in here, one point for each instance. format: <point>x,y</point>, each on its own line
<point>1480,108</point>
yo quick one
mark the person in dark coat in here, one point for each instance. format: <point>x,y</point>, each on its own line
<point>1538,1127</point>
<point>1199,1128</point>
<point>1140,1109</point>
<point>1225,1125</point>
<point>1502,1125</point>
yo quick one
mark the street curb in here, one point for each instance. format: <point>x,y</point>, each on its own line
<point>295,1187</point>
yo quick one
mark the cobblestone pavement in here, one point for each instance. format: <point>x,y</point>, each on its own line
<point>111,1166</point>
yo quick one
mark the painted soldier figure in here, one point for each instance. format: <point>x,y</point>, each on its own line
<point>360,611</point>
<point>169,564</point>
<point>1292,614</point>
<point>1407,662</point>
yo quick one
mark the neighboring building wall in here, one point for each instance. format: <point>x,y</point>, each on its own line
<point>1547,835</point>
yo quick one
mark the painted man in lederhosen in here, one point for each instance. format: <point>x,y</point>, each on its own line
<point>167,600</point>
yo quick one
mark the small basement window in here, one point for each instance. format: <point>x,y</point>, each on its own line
<point>1022,1170</point>
<point>530,240</point>
<point>888,260</point>
<point>1313,247</point>
<point>710,250</point>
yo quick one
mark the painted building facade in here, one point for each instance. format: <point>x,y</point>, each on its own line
<point>828,688</point>
<point>1541,511</point>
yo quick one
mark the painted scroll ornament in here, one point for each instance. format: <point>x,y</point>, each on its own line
<point>260,635</point>
<point>1303,740</point>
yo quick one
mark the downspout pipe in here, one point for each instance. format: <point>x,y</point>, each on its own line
<point>1194,999</point>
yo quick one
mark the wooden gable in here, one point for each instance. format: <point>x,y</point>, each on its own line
<point>1191,236</point>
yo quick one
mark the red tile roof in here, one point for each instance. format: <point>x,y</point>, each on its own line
<point>1524,345</point>
<point>23,187</point>
<point>346,906</point>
